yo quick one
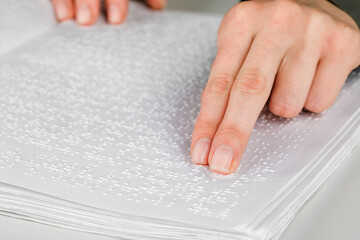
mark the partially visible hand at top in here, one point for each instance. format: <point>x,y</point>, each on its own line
<point>87,11</point>
<point>295,53</point>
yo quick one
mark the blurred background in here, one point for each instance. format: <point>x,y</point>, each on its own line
<point>213,6</point>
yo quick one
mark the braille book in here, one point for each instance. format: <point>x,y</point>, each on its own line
<point>96,123</point>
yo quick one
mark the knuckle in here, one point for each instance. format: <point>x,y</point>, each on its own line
<point>284,11</point>
<point>319,18</point>
<point>349,35</point>
<point>240,11</point>
<point>233,131</point>
<point>316,106</point>
<point>319,24</point>
<point>250,82</point>
<point>219,85</point>
<point>206,125</point>
<point>341,40</point>
<point>237,16</point>
<point>237,13</point>
<point>286,109</point>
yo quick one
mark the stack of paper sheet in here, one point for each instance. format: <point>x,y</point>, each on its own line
<point>96,122</point>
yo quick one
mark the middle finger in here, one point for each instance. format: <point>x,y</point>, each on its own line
<point>248,96</point>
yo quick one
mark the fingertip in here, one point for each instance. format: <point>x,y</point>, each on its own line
<point>222,159</point>
<point>235,165</point>
<point>157,4</point>
<point>221,172</point>
<point>317,106</point>
<point>232,166</point>
<point>285,108</point>
<point>83,14</point>
<point>86,12</point>
<point>228,147</point>
<point>200,151</point>
<point>116,11</point>
<point>64,10</point>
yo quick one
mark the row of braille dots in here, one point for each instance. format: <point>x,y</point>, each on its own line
<point>296,135</point>
<point>216,203</point>
<point>72,174</point>
<point>127,188</point>
<point>61,171</point>
<point>126,183</point>
<point>211,203</point>
<point>9,158</point>
<point>226,202</point>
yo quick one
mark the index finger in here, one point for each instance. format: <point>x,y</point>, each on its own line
<point>232,47</point>
<point>248,96</point>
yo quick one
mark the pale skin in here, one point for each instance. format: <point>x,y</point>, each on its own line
<point>293,54</point>
<point>86,12</point>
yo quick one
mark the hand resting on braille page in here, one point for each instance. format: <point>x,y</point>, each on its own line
<point>293,53</point>
<point>96,125</point>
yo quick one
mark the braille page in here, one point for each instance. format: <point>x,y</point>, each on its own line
<point>97,121</point>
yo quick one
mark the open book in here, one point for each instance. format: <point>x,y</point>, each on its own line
<point>96,122</point>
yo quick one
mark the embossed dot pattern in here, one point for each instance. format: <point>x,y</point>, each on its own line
<point>110,110</point>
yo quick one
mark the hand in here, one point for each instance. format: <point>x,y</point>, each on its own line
<point>87,11</point>
<point>298,51</point>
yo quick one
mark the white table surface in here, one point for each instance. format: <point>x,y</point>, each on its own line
<point>332,214</point>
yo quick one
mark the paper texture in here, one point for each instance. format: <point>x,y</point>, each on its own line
<point>95,131</point>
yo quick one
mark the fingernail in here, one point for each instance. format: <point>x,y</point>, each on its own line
<point>61,10</point>
<point>160,4</point>
<point>222,159</point>
<point>114,15</point>
<point>83,14</point>
<point>201,151</point>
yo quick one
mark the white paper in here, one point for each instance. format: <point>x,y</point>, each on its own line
<point>95,131</point>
